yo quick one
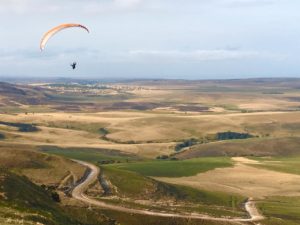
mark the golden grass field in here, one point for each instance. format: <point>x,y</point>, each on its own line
<point>162,130</point>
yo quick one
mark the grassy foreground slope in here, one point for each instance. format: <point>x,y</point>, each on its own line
<point>22,202</point>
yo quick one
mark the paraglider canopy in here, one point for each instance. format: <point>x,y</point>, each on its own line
<point>57,29</point>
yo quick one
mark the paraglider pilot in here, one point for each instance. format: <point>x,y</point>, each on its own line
<point>73,65</point>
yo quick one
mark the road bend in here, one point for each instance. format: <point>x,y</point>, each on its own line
<point>80,189</point>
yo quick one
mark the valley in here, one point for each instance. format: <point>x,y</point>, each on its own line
<point>172,152</point>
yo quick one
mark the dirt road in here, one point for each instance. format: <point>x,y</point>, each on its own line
<point>79,194</point>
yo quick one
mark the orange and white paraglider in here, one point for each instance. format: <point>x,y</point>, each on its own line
<point>57,29</point>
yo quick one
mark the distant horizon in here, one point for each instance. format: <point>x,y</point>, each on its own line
<point>116,79</point>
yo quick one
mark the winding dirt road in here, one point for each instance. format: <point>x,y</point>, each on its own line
<point>79,194</point>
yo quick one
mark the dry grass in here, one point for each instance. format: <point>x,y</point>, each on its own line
<point>164,127</point>
<point>144,127</point>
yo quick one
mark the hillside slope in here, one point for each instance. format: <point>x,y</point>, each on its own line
<point>251,147</point>
<point>22,202</point>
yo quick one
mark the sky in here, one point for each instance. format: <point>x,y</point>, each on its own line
<point>185,39</point>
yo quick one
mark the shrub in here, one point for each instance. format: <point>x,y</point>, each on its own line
<point>55,196</point>
<point>186,143</point>
<point>23,127</point>
<point>163,157</point>
<point>232,135</point>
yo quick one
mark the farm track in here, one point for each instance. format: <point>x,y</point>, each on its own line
<point>64,181</point>
<point>79,194</point>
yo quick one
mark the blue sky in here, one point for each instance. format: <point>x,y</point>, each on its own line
<point>194,39</point>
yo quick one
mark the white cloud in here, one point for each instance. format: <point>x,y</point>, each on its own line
<point>237,3</point>
<point>127,3</point>
<point>26,6</point>
<point>98,6</point>
<point>113,6</point>
<point>75,6</point>
<point>202,55</point>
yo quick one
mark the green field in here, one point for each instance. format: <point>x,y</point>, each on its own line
<point>281,210</point>
<point>132,180</point>
<point>281,164</point>
<point>136,186</point>
<point>176,168</point>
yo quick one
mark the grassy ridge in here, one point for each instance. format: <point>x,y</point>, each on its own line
<point>88,154</point>
<point>73,125</point>
<point>128,183</point>
<point>39,167</point>
<point>285,146</point>
<point>176,168</point>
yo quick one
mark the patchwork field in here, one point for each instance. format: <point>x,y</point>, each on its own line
<point>184,147</point>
